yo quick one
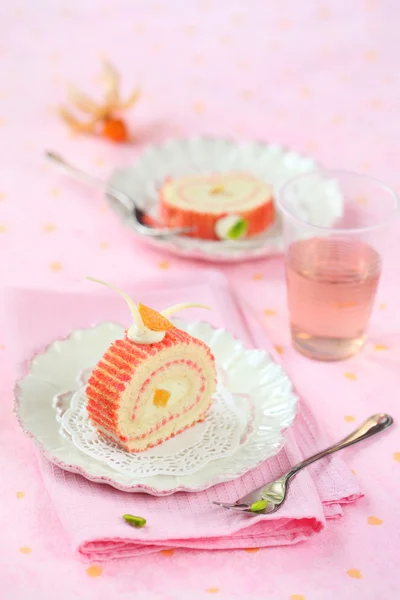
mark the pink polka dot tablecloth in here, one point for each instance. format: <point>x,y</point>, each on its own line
<point>320,77</point>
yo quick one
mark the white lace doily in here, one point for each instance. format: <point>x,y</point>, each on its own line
<point>218,436</point>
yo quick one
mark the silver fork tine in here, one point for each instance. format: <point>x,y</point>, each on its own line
<point>233,505</point>
<point>275,492</point>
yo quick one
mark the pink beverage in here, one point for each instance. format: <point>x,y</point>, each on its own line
<point>331,291</point>
<point>336,226</point>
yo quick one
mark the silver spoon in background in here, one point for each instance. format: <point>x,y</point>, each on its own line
<point>137,214</point>
<point>275,493</point>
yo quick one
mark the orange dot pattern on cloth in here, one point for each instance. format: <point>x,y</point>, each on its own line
<point>351,376</point>
<point>355,573</point>
<point>55,266</point>
<point>380,347</point>
<point>94,571</point>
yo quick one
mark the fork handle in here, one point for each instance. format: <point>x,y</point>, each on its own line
<point>370,427</point>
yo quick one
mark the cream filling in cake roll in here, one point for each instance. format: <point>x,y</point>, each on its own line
<point>233,192</point>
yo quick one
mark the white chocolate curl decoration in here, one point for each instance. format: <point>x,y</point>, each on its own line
<point>139,332</point>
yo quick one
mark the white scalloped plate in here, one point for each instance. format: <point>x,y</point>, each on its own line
<point>55,374</point>
<point>175,158</point>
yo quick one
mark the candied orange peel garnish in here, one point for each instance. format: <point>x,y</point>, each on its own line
<point>161,397</point>
<point>218,189</point>
<point>153,319</point>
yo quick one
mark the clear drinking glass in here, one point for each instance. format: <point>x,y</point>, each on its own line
<point>335,231</point>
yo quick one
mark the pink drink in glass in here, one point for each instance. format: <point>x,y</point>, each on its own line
<point>336,227</point>
<point>331,290</point>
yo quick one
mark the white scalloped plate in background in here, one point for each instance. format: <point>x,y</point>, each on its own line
<point>55,374</point>
<point>175,158</point>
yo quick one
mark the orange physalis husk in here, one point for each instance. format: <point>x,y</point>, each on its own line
<point>153,320</point>
<point>104,116</point>
<point>161,397</point>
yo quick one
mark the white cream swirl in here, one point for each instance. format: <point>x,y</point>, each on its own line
<point>225,227</point>
<point>145,335</point>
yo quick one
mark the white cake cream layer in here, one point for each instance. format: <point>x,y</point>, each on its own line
<point>233,192</point>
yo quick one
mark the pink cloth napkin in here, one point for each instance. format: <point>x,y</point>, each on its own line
<point>91,514</point>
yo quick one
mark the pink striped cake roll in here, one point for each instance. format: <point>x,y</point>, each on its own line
<point>151,385</point>
<point>202,202</point>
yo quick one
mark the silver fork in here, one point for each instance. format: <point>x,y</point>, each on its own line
<point>137,214</point>
<point>275,493</point>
